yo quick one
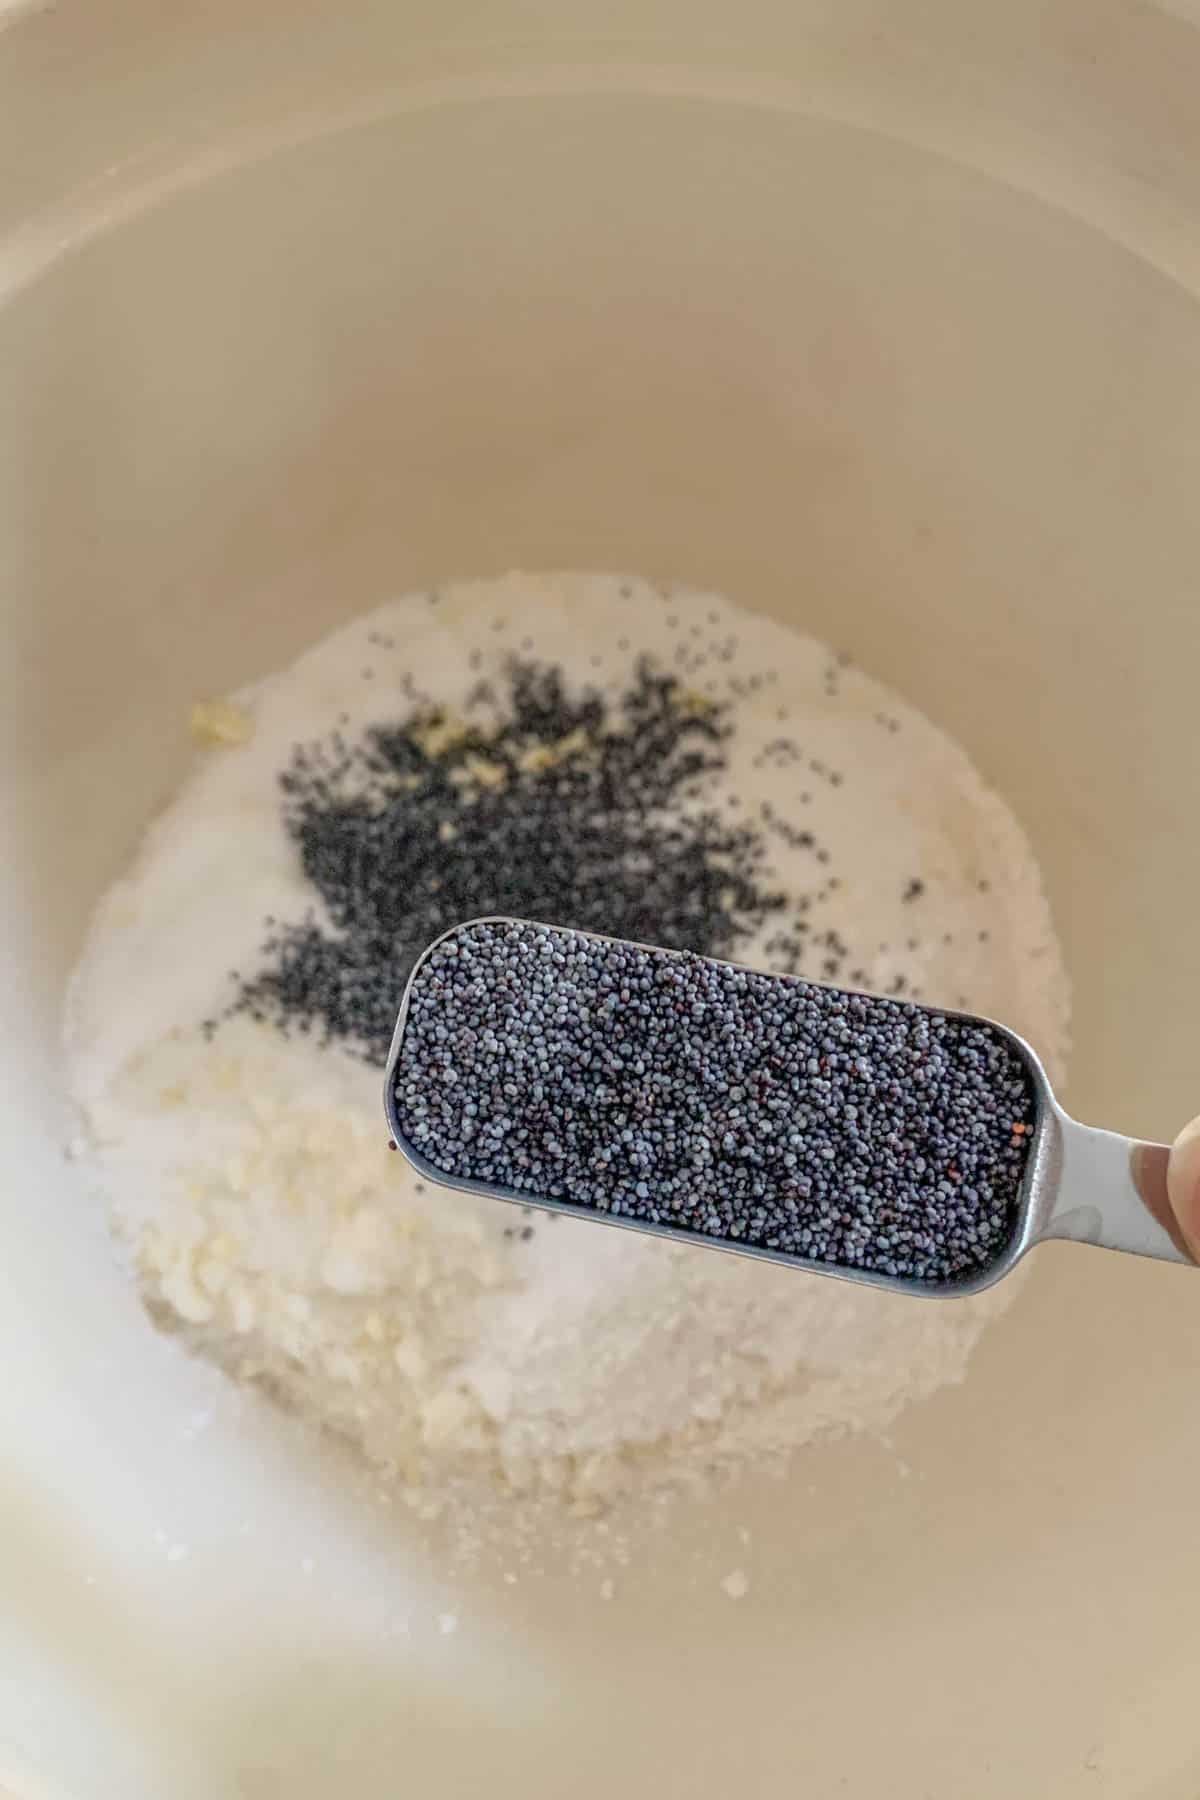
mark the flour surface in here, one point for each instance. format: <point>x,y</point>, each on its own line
<point>466,1349</point>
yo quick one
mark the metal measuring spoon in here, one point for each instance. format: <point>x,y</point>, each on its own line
<point>1075,1181</point>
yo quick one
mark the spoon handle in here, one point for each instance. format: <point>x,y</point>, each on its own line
<point>1112,1190</point>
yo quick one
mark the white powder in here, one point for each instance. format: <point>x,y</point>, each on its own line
<point>249,1176</point>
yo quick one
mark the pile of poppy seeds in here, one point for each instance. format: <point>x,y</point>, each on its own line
<point>830,1126</point>
<point>573,808</point>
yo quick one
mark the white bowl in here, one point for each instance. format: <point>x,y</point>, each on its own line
<point>878,317</point>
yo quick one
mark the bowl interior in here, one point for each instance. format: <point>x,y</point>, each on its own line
<point>851,383</point>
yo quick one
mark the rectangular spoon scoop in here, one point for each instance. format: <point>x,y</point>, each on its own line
<point>866,1138</point>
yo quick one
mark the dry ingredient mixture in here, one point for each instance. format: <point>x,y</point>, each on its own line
<point>587,749</point>
<point>677,1091</point>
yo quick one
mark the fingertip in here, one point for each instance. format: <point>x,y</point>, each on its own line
<point>1183,1184</point>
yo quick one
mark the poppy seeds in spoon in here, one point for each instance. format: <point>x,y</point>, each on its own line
<point>762,1110</point>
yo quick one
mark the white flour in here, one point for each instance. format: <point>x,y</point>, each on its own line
<point>249,1176</point>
